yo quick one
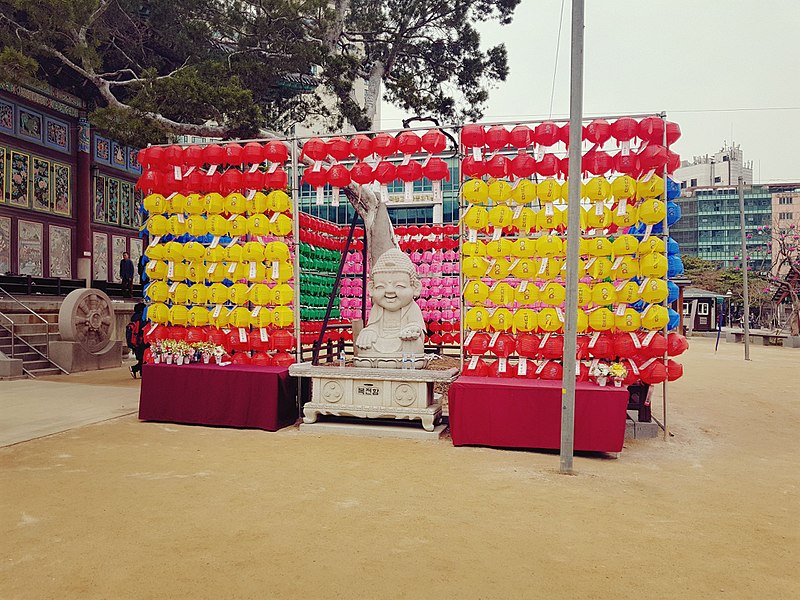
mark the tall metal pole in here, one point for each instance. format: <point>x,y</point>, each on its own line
<point>573,239</point>
<point>745,291</point>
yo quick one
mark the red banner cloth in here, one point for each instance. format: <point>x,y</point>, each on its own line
<point>232,396</point>
<point>508,413</point>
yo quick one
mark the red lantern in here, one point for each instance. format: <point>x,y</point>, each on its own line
<point>676,344</point>
<point>653,157</point>
<point>283,359</point>
<point>598,131</point>
<point>195,181</point>
<point>256,343</point>
<point>150,181</point>
<point>673,161</point>
<point>315,149</point>
<point>276,151</point>
<point>546,134</point>
<point>673,132</point>
<point>360,146</point>
<point>252,153</point>
<point>193,156</point>
<point>253,180</point>
<point>597,162</point>
<point>231,182</point>
<point>385,172</point>
<point>411,171</point>
<point>497,167</point>
<point>651,129</point>
<point>521,136</point>
<point>233,154</point>
<point>522,165</point>
<point>168,183</point>
<point>315,178</point>
<point>383,144</point>
<point>214,154</point>
<point>282,340</point>
<point>261,359</point>
<point>339,176</point>
<point>219,338</point>
<point>362,173</point>
<point>503,346</point>
<point>480,369</point>
<point>434,141</point>
<point>241,358</point>
<point>653,373</point>
<point>603,347</point>
<point>553,347</point>
<point>627,164</point>
<point>473,136</point>
<point>624,346</point>
<point>339,148</point>
<point>173,155</point>
<point>624,129</point>
<point>471,167</point>
<point>548,166</point>
<point>563,134</point>
<point>236,342</point>
<point>436,169</point>
<point>508,371</point>
<point>276,180</point>
<point>496,137</point>
<point>144,157</point>
<point>408,142</point>
<point>528,345</point>
<point>655,347</point>
<point>552,371</point>
<point>674,370</point>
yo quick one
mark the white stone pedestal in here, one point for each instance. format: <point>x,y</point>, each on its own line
<point>373,393</point>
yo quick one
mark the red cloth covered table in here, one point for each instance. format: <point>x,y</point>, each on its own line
<point>510,413</point>
<point>231,396</point>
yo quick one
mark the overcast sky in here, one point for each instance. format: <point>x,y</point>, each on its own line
<point>695,59</point>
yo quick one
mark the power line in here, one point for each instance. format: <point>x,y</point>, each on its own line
<point>555,66</point>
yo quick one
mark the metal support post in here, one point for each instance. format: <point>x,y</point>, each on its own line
<point>745,291</point>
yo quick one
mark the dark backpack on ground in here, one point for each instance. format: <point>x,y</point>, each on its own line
<point>134,336</point>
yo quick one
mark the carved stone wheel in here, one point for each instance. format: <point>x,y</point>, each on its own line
<point>87,317</point>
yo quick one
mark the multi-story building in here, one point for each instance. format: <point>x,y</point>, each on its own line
<point>722,168</point>
<point>68,205</point>
<point>785,214</point>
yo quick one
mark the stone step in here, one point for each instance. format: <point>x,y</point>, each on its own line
<point>46,372</point>
<point>34,365</point>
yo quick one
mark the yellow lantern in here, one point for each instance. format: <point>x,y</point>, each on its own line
<point>156,269</point>
<point>583,322</point>
<point>260,317</point>
<point>655,317</point>
<point>218,317</point>
<point>628,293</point>
<point>625,215</point>
<point>627,267</point>
<point>604,294</point>
<point>584,294</point>
<point>235,203</point>
<point>238,293</point>
<point>198,294</point>
<point>193,250</point>
<point>601,268</point>
<point>157,291</point>
<point>653,265</point>
<point>549,320</point>
<point>527,294</point>
<point>234,253</point>
<point>198,316</point>
<point>176,271</point>
<point>283,273</point>
<point>597,189</point>
<point>598,216</point>
<point>549,245</point>
<point>499,268</point>
<point>155,204</point>
<point>502,294</point>
<point>173,251</point>
<point>195,204</point>
<point>500,190</point>
<point>623,187</point>
<point>216,272</point>
<point>282,225</point>
<point>601,319</point>
<point>237,227</point>
<point>628,320</point>
<point>282,294</point>
<point>474,267</point>
<point>216,254</point>
<point>157,225</point>
<point>261,295</point>
<point>197,225</point>
<point>549,267</point>
<point>283,316</point>
<point>179,293</point>
<point>549,217</point>
<point>158,313</point>
<point>525,320</point>
<point>624,245</point>
<point>239,317</point>
<point>599,246</point>
<point>501,215</point>
<point>525,268</point>
<point>218,293</point>
<point>196,271</point>
<point>176,203</point>
<point>217,225</point>
<point>524,248</point>
<point>548,190</point>
<point>476,292</point>
<point>476,217</point>
<point>525,192</point>
<point>652,244</point>
<point>650,188</point>
<point>583,221</point>
<point>654,291</point>
<point>652,211</point>
<point>252,251</point>
<point>499,248</point>
<point>477,318</point>
<point>276,251</point>
<point>178,315</point>
<point>501,319</point>
<point>552,294</point>
<point>525,222</point>
<point>215,203</point>
<point>258,224</point>
<point>477,248</point>
<point>278,201</point>
<point>236,270</point>
<point>155,252</point>
<point>475,191</point>
<point>257,204</point>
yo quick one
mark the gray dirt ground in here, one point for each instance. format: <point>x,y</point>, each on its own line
<point>123,509</point>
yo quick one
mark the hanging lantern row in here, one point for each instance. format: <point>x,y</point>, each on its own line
<point>165,159</point>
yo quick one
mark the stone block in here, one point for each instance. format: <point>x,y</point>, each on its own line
<point>791,341</point>
<point>73,358</point>
<point>10,367</point>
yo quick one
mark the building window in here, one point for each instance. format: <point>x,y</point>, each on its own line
<point>686,309</point>
<point>693,182</point>
<point>702,309</point>
<point>717,179</point>
<point>785,215</point>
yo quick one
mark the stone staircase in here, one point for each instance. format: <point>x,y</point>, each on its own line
<point>29,341</point>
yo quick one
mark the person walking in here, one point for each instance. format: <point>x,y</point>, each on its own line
<point>126,273</point>
<point>134,337</point>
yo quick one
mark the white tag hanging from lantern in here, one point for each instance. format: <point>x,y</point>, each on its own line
<point>548,209</point>
<point>154,241</point>
<point>384,193</point>
<point>625,148</point>
<point>522,367</point>
<point>177,172</point>
<point>276,269</point>
<point>320,196</point>
<point>242,334</point>
<point>335,197</point>
<point>211,170</point>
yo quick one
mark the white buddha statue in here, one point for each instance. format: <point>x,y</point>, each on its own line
<point>395,327</point>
